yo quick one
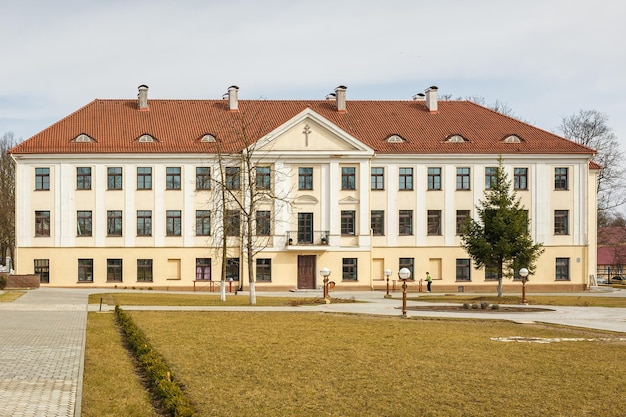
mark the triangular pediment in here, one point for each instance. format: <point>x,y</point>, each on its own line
<point>311,133</point>
<point>349,200</point>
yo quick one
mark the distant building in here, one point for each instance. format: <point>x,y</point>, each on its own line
<point>121,193</point>
<point>611,252</point>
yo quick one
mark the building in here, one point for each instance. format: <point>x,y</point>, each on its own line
<point>611,253</point>
<point>121,193</point>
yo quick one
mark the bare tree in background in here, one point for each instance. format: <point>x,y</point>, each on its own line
<point>590,128</point>
<point>7,197</point>
<point>499,106</point>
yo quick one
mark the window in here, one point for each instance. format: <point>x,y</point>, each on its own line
<point>114,270</point>
<point>173,222</point>
<point>114,222</point>
<point>377,179</point>
<point>378,222</point>
<point>348,178</point>
<point>463,270</point>
<point>434,222</point>
<point>42,223</point>
<point>491,273</point>
<point>305,178</point>
<point>263,178</point>
<point>264,269</point>
<point>406,179</point>
<point>172,178</point>
<point>203,222</point>
<point>462,178</point>
<point>42,267</point>
<point>233,178</point>
<point>203,269</point>
<point>233,220</point>
<point>405,222</point>
<point>144,178</point>
<point>83,223</point>
<point>144,270</point>
<point>520,178</point>
<point>562,269</point>
<point>305,227</point>
<point>203,178</point>
<point>349,269</point>
<point>85,270</point>
<point>347,222</point>
<point>263,223</point>
<point>232,269</point>
<point>42,179</point>
<point>144,222</point>
<point>407,263</point>
<point>434,178</point>
<point>561,222</point>
<point>83,178</point>
<point>490,178</point>
<point>114,178</point>
<point>461,218</point>
<point>560,179</point>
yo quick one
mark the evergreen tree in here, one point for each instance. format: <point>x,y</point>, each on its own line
<point>500,238</point>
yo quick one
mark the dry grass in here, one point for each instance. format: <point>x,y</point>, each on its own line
<point>549,300</point>
<point>194,299</point>
<point>8,296</point>
<point>110,385</point>
<point>315,364</point>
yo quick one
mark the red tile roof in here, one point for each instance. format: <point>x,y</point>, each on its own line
<point>612,255</point>
<point>178,126</point>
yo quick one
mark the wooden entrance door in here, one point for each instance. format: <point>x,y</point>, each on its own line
<point>306,272</point>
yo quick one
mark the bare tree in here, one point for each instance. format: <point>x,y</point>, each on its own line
<point>7,199</point>
<point>590,128</point>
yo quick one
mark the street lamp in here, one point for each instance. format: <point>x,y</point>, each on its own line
<point>325,273</point>
<point>387,273</point>
<point>523,273</point>
<point>404,274</point>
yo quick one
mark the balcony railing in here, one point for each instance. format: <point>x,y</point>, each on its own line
<point>313,238</point>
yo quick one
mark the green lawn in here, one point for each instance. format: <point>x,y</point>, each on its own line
<point>321,364</point>
<point>195,299</point>
<point>556,300</point>
<point>8,296</point>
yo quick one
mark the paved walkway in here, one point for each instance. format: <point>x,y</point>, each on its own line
<point>42,338</point>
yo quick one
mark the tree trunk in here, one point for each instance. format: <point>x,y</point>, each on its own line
<point>222,290</point>
<point>500,286</point>
<point>252,293</point>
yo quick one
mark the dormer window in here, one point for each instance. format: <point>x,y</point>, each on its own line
<point>146,138</point>
<point>208,138</point>
<point>456,139</point>
<point>83,137</point>
<point>395,139</point>
<point>512,139</point>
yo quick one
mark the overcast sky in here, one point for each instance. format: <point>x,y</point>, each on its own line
<point>544,58</point>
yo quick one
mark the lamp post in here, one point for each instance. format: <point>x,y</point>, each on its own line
<point>387,273</point>
<point>523,273</point>
<point>404,274</point>
<point>325,273</point>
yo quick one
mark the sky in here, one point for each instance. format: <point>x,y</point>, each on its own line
<point>545,59</point>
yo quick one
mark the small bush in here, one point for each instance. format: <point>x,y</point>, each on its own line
<point>3,281</point>
<point>495,306</point>
<point>466,306</point>
<point>484,305</point>
<point>474,306</point>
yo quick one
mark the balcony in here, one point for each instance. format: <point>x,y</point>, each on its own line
<point>316,240</point>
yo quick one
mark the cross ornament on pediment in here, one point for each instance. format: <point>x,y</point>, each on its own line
<point>306,132</point>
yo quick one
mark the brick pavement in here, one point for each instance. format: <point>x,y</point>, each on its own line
<point>42,336</point>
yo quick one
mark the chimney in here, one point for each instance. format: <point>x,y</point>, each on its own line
<point>431,99</point>
<point>233,102</point>
<point>143,97</point>
<point>340,94</point>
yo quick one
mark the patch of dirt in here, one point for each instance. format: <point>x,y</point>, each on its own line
<point>461,309</point>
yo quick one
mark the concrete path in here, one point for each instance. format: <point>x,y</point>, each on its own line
<point>42,338</point>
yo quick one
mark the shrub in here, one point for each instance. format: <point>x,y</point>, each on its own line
<point>3,281</point>
<point>484,305</point>
<point>466,306</point>
<point>474,306</point>
<point>173,399</point>
<point>495,307</point>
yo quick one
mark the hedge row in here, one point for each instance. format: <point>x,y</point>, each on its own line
<point>173,399</point>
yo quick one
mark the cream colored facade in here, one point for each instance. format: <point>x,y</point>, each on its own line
<point>356,254</point>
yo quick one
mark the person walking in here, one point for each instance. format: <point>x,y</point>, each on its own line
<point>429,281</point>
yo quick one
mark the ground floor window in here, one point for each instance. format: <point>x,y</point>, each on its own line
<point>264,269</point>
<point>407,263</point>
<point>463,270</point>
<point>562,269</point>
<point>114,270</point>
<point>232,269</point>
<point>203,269</point>
<point>85,270</point>
<point>349,269</point>
<point>42,267</point>
<point>491,273</point>
<point>144,270</point>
